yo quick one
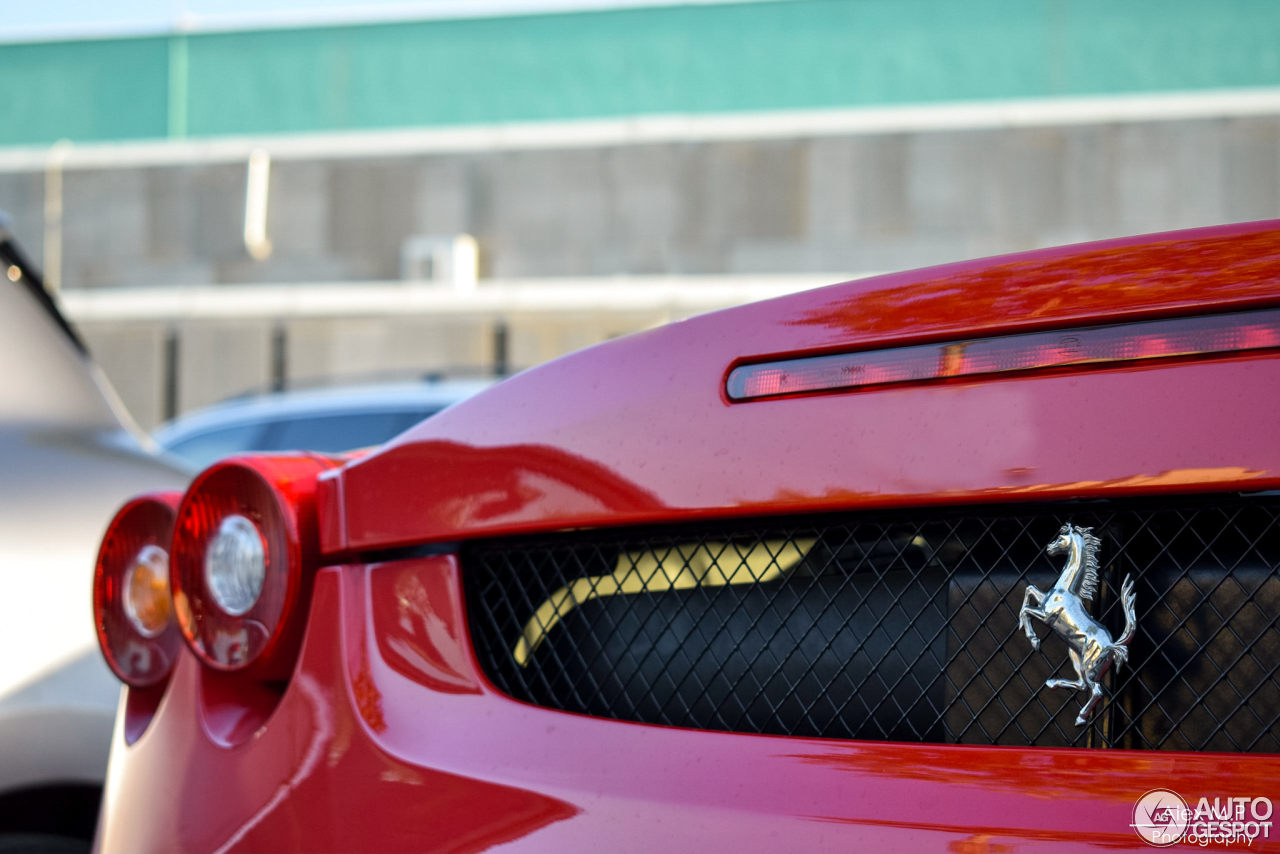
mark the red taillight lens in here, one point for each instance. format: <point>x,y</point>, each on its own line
<point>245,549</point>
<point>1090,347</point>
<point>132,608</point>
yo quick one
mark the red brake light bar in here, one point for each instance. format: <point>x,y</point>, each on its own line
<point>1127,342</point>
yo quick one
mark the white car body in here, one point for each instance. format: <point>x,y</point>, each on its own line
<point>69,458</point>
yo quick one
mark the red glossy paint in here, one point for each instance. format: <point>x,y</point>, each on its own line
<point>638,430</point>
<point>365,753</point>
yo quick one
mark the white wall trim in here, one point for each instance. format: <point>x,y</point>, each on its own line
<point>680,295</point>
<point>640,130</point>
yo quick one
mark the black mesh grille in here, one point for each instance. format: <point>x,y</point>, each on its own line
<point>896,626</point>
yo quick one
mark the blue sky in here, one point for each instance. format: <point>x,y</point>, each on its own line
<point>22,20</point>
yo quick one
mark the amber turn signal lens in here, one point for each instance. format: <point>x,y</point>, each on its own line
<point>146,591</point>
<point>133,611</point>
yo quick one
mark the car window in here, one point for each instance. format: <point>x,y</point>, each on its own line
<point>203,448</point>
<point>332,433</point>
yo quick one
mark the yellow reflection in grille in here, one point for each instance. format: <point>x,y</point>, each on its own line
<point>679,568</point>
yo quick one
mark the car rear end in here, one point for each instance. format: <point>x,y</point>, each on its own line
<point>756,581</point>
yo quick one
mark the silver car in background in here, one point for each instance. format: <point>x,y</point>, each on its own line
<point>69,457</point>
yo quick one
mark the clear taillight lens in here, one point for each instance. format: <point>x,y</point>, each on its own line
<point>235,565</point>
<point>132,608</point>
<point>244,552</point>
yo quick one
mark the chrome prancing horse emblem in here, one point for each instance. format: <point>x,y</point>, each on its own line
<point>1090,645</point>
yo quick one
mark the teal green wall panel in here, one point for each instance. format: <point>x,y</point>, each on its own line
<point>698,58</point>
<point>83,90</point>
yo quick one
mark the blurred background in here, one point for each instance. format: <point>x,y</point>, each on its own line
<point>230,197</point>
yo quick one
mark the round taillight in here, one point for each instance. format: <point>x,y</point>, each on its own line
<point>245,548</point>
<point>132,608</point>
<point>235,565</point>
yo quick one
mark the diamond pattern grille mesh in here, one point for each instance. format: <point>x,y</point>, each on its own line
<point>899,626</point>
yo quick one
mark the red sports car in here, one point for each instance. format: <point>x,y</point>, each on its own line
<point>982,557</point>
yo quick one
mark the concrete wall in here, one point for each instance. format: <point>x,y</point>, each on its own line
<point>865,203</point>
<point>842,204</point>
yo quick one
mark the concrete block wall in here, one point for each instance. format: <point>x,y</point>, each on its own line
<point>857,203</point>
<point>764,206</point>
